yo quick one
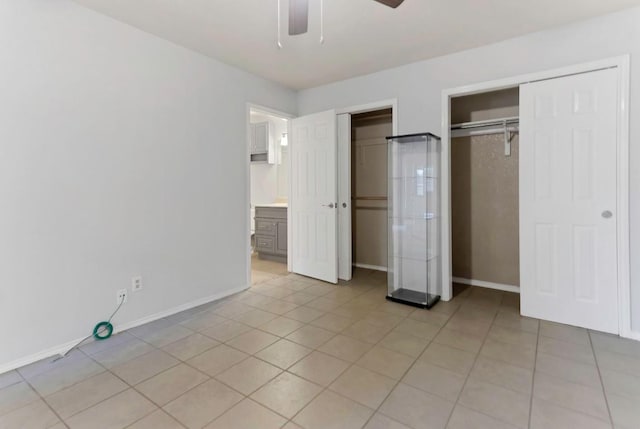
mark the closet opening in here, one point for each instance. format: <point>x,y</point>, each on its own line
<point>369,218</point>
<point>484,191</point>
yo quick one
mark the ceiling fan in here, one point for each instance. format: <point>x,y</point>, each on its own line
<point>299,14</point>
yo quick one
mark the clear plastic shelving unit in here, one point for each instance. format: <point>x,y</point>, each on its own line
<point>414,273</point>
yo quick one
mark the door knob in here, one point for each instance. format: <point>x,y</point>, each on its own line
<point>607,214</point>
<point>330,205</point>
<point>344,205</point>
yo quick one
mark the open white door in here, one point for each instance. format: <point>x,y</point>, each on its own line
<point>314,196</point>
<point>345,254</point>
<point>568,173</point>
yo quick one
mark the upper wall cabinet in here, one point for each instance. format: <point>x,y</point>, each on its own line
<point>262,143</point>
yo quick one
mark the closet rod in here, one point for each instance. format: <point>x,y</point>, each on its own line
<point>486,123</point>
<point>370,198</point>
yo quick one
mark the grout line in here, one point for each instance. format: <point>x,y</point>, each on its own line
<point>604,392</point>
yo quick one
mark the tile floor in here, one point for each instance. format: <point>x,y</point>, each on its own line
<point>296,353</point>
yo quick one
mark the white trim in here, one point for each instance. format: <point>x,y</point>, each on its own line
<point>633,335</point>
<point>623,261</point>
<point>488,285</point>
<point>370,267</point>
<point>63,348</point>
<point>268,110</point>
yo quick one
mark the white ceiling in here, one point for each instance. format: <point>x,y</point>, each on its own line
<point>361,36</point>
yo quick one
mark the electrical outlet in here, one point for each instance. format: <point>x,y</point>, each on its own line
<point>136,283</point>
<point>120,295</point>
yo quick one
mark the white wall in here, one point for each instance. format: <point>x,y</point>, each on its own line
<point>120,154</point>
<point>418,87</point>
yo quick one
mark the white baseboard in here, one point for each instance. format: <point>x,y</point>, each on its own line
<point>488,285</point>
<point>631,335</point>
<point>63,348</point>
<point>370,267</point>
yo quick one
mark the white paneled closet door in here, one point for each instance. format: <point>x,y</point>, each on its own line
<point>314,196</point>
<point>568,191</point>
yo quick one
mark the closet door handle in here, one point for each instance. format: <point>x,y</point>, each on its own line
<point>607,214</point>
<point>330,205</point>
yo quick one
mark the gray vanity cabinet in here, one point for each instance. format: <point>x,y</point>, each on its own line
<point>271,233</point>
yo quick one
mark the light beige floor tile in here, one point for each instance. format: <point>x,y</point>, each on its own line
<point>619,362</point>
<point>304,314</point>
<point>122,353</point>
<point>310,336</point>
<point>345,348</point>
<point>427,316</point>
<point>217,360</point>
<point>9,378</point>
<point>283,353</point>
<point>232,309</point>
<point>292,425</point>
<point>434,379</point>
<point>319,289</point>
<point>85,394</point>
<point>64,376</point>
<point>577,397</point>
<point>380,421</point>
<point>477,327</point>
<point>423,330</point>
<point>366,387</point>
<point>518,355</point>
<point>513,336</point>
<point>16,396</point>
<point>168,335</point>
<point>157,420</point>
<point>503,374</point>
<point>365,331</point>
<point>622,384</point>
<point>248,375</point>
<point>190,346</point>
<point>203,320</point>
<point>50,364</point>
<point>395,308</point>
<point>329,410</point>
<point>383,320</point>
<point>407,344</point>
<point>286,394</point>
<point>203,404</point>
<point>116,412</point>
<point>36,415</point>
<point>299,298</point>
<point>282,326</point>
<point>319,368</point>
<point>449,358</point>
<point>333,322</point>
<point>465,418</point>
<point>95,346</point>
<point>226,331</point>
<point>386,362</point>
<point>515,321</point>
<point>545,415</point>
<point>170,384</point>
<point>459,340</point>
<point>567,369</point>
<point>416,408</point>
<point>324,304</point>
<point>504,404</point>
<point>255,318</point>
<point>145,366</point>
<point>252,341</point>
<point>624,411</point>
<point>615,344</point>
<point>248,415</point>
<point>280,306</point>
<point>566,333</point>
<point>563,349</point>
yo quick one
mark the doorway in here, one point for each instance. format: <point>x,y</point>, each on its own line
<point>574,256</point>
<point>268,193</point>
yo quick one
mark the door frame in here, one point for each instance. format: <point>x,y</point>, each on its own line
<point>345,231</point>
<point>247,164</point>
<point>622,64</point>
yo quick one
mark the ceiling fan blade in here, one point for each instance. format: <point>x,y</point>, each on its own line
<point>298,17</point>
<point>391,3</point>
